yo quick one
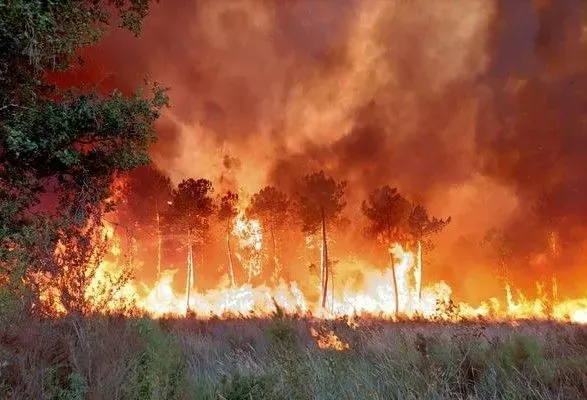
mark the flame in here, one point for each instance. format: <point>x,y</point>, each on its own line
<point>375,295</point>
<point>250,236</point>
<point>249,232</point>
<point>328,340</point>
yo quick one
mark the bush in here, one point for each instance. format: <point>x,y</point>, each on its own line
<point>239,387</point>
<point>159,369</point>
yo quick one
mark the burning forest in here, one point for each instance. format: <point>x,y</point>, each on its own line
<point>324,173</point>
<point>274,250</point>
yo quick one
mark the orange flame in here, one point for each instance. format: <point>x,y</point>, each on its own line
<point>375,296</point>
<point>329,340</point>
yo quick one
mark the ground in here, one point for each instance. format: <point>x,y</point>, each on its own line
<point>290,358</point>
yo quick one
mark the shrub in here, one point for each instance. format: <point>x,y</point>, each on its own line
<point>159,369</point>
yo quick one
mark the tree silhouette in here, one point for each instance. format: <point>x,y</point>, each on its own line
<point>270,206</point>
<point>320,202</point>
<point>147,195</point>
<point>420,225</point>
<point>227,212</point>
<point>387,210</point>
<point>189,211</point>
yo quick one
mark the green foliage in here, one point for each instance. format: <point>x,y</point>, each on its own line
<point>246,387</point>
<point>73,387</point>
<point>137,360</point>
<point>281,331</point>
<point>520,352</point>
<point>159,370</point>
<point>77,389</point>
<point>66,147</point>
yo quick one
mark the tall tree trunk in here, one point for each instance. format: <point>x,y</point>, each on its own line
<point>395,291</point>
<point>419,273</point>
<point>159,245</point>
<point>324,263</point>
<point>190,275</point>
<point>230,265</point>
<point>274,249</point>
<point>554,288</point>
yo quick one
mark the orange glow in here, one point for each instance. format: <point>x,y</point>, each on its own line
<point>373,296</point>
<point>328,340</point>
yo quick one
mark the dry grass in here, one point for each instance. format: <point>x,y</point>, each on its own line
<point>117,358</point>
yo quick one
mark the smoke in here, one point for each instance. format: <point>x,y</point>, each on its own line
<point>473,107</point>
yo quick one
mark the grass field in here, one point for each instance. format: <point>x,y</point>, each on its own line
<point>279,358</point>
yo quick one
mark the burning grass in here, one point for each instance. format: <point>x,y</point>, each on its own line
<point>290,358</point>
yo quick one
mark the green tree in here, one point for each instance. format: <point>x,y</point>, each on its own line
<point>387,211</point>
<point>227,212</point>
<point>270,206</point>
<point>189,212</point>
<point>62,146</point>
<point>420,226</point>
<point>321,200</point>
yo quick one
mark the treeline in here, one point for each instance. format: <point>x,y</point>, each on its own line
<point>152,207</point>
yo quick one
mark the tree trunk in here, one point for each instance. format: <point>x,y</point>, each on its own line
<point>190,274</point>
<point>395,291</point>
<point>324,263</point>
<point>554,288</point>
<point>159,245</point>
<point>230,265</point>
<point>274,248</point>
<point>419,273</point>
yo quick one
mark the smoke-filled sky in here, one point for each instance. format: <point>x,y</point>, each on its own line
<point>477,108</point>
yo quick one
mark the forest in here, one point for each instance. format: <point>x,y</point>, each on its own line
<point>295,204</point>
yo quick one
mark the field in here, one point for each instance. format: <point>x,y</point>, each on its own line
<point>291,358</point>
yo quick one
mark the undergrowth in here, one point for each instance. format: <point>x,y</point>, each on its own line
<point>277,358</point>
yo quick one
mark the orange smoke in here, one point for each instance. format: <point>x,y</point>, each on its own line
<point>468,107</point>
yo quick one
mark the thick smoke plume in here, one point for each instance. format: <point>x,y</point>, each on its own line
<point>474,107</point>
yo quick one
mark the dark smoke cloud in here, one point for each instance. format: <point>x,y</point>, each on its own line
<point>533,136</point>
<point>474,107</point>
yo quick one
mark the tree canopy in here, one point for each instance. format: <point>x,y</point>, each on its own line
<point>227,210</point>
<point>320,198</point>
<point>192,205</point>
<point>60,150</point>
<point>270,205</point>
<point>386,210</point>
<point>421,225</point>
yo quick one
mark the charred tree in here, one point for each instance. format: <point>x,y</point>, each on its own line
<point>270,206</point>
<point>227,212</point>
<point>189,212</point>
<point>320,201</point>
<point>386,211</point>
<point>420,226</point>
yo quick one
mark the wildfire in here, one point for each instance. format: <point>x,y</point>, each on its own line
<point>250,236</point>
<point>329,340</point>
<point>375,296</point>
